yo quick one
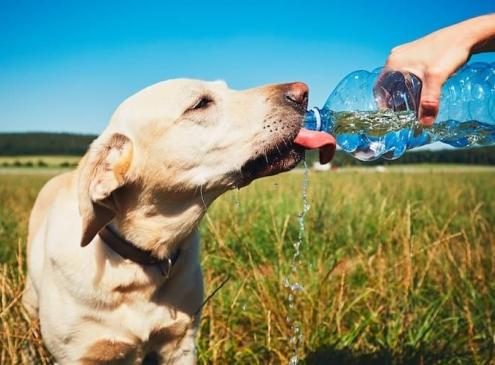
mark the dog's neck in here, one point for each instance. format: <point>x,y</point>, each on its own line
<point>160,222</point>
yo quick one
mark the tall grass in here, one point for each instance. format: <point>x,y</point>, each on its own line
<point>397,268</point>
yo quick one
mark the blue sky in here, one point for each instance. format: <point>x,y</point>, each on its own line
<point>66,65</point>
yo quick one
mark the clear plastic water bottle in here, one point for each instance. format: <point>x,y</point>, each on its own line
<point>374,114</point>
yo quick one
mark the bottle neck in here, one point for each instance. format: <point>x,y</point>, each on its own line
<point>319,120</point>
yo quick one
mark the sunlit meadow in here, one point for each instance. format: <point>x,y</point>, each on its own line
<point>397,268</point>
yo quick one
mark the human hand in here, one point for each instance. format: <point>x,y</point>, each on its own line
<point>437,56</point>
<point>433,59</point>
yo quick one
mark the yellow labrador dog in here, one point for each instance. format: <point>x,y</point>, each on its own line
<point>114,275</point>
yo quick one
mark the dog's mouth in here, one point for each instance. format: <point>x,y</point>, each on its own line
<point>282,157</point>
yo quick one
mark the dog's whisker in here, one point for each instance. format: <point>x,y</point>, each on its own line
<point>202,197</point>
<point>196,190</point>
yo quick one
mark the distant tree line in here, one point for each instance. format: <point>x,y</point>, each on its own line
<point>38,163</point>
<point>22,144</point>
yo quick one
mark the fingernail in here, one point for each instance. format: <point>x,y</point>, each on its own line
<point>427,120</point>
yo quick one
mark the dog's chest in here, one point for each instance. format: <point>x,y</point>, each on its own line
<point>137,332</point>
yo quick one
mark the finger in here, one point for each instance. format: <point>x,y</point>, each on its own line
<point>430,99</point>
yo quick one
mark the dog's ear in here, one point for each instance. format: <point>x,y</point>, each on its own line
<point>102,171</point>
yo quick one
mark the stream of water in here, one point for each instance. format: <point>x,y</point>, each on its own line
<point>291,280</point>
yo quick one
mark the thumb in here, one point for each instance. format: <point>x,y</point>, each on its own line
<point>430,100</point>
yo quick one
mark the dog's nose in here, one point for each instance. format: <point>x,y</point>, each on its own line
<point>297,93</point>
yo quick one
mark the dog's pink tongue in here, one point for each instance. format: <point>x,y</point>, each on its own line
<point>323,141</point>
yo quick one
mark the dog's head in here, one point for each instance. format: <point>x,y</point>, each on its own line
<point>179,139</point>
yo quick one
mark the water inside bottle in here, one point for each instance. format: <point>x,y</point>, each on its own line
<point>371,134</point>
<point>372,123</point>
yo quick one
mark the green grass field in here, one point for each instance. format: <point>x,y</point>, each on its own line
<point>397,268</point>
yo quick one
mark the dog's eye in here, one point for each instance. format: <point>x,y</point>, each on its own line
<point>202,103</point>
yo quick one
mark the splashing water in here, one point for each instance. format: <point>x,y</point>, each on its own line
<point>373,123</point>
<point>368,135</point>
<point>294,287</point>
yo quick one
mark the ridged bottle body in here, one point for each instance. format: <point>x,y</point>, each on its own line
<point>374,114</point>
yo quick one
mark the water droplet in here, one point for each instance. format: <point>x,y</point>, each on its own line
<point>294,360</point>
<point>296,287</point>
<point>237,201</point>
<point>286,282</point>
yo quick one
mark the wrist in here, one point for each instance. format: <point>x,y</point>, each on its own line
<point>478,31</point>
